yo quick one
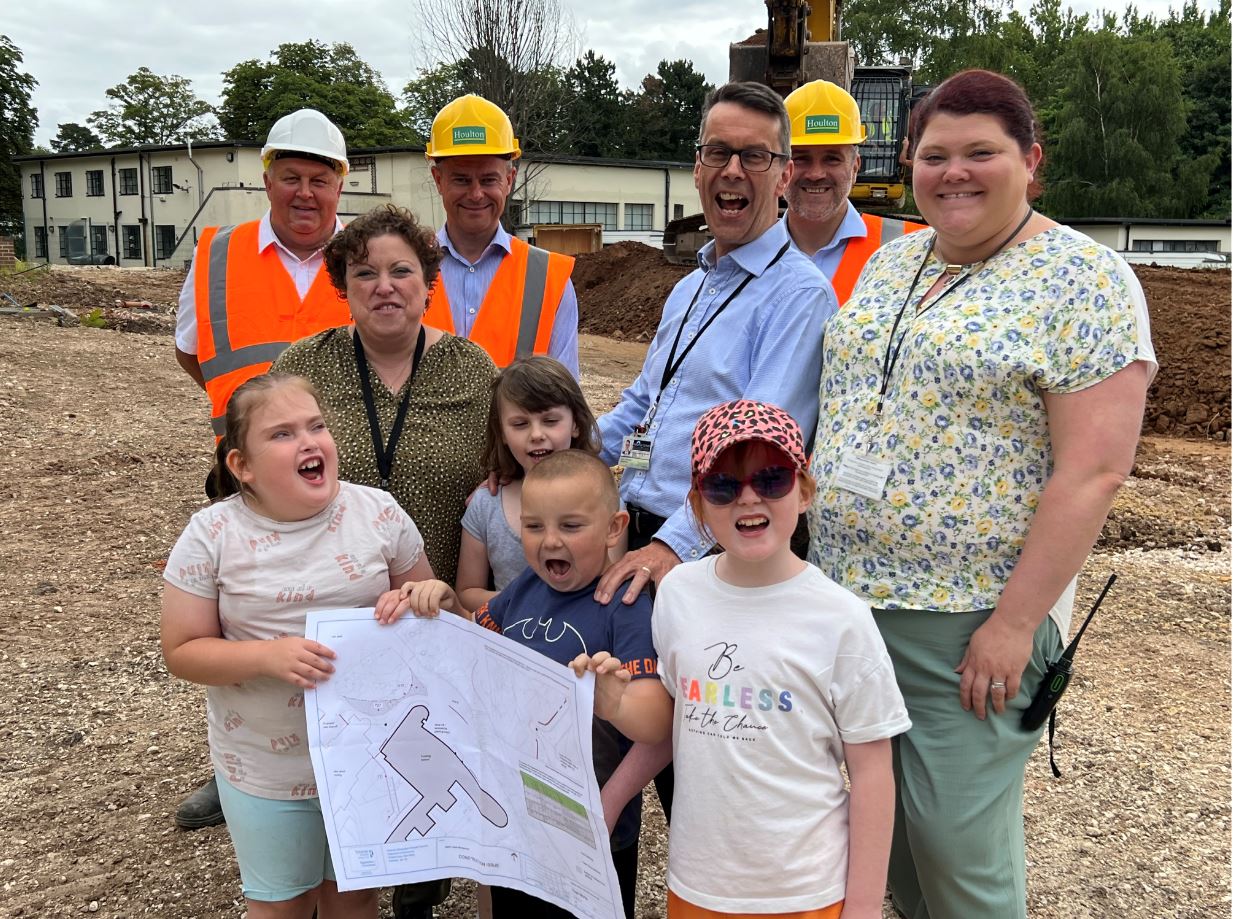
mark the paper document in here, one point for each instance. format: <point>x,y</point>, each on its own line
<point>442,749</point>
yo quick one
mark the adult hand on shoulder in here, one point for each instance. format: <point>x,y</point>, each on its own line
<point>649,563</point>
<point>993,664</point>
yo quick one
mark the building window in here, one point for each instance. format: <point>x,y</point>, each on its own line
<point>94,183</point>
<point>160,180</point>
<point>128,181</point>
<point>553,212</point>
<point>64,185</point>
<point>638,216</point>
<point>678,211</point>
<point>98,239</point>
<point>164,240</point>
<point>40,242</point>
<point>64,243</point>
<point>132,240</point>
<point>36,185</point>
<point>1175,245</point>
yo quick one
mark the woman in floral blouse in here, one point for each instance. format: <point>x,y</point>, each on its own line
<point>981,398</point>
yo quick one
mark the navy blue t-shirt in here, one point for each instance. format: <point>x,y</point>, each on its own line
<point>561,625</point>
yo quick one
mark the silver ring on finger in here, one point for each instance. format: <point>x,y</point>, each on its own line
<point>996,685</point>
<point>645,569</point>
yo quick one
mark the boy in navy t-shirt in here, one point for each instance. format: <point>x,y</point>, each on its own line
<point>571,517</point>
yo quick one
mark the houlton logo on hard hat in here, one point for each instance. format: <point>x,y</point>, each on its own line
<point>821,124</point>
<point>470,135</point>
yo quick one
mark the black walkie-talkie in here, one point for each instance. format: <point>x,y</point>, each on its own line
<point>1057,676</point>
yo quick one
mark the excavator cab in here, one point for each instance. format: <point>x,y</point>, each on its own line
<point>884,95</point>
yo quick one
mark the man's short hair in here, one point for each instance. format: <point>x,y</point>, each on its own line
<point>755,96</point>
<point>566,464</point>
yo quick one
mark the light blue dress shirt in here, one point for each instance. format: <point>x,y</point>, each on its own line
<point>466,285</point>
<point>766,345</point>
<point>829,256</point>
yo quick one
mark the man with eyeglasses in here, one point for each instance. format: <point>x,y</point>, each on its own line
<point>746,324</point>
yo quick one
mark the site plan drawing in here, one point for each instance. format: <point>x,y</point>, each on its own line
<point>442,749</point>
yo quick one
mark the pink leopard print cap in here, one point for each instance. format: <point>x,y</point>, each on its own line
<point>733,422</point>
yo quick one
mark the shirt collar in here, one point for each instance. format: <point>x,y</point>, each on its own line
<point>500,239</point>
<point>851,227</point>
<point>266,237</point>
<point>755,256</point>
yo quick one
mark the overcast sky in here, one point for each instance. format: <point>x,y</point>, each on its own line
<point>76,49</point>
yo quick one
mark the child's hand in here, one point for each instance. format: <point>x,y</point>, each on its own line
<point>611,678</point>
<point>423,598</point>
<point>301,662</point>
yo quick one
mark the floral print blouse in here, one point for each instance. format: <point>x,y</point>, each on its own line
<point>963,425</point>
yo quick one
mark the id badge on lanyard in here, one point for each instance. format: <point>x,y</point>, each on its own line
<point>636,451</point>
<point>861,474</point>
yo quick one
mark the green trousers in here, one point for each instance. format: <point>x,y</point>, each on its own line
<point>957,851</point>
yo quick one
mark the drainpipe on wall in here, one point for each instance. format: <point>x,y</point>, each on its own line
<point>46,235</point>
<point>667,196</point>
<point>146,238</point>
<point>115,211</point>
<point>200,174</point>
<point>153,229</point>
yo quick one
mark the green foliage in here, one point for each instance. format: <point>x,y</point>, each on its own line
<point>666,114</point>
<point>94,319</point>
<point>18,119</point>
<point>152,109</point>
<point>595,114</point>
<point>329,78</point>
<point>75,138</point>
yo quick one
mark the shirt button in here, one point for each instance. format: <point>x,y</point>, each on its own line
<point>711,291</point>
<point>471,311</point>
<point>471,269</point>
<point>693,553</point>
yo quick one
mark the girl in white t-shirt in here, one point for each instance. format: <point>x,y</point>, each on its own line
<point>775,677</point>
<point>537,409</point>
<point>287,538</point>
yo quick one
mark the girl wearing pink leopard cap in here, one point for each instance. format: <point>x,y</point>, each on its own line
<point>774,677</point>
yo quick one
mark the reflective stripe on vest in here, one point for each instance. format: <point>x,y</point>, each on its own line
<point>519,308</point>
<point>263,300</point>
<point>878,232</point>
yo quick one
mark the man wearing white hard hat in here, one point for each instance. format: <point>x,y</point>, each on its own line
<point>823,224</point>
<point>256,287</point>
<point>511,299</point>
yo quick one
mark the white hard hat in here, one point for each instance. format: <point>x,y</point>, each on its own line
<point>308,132</point>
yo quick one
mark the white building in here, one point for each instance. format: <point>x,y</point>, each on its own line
<point>146,206</point>
<point>1176,243</point>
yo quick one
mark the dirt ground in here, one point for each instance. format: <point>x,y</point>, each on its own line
<point>103,447</point>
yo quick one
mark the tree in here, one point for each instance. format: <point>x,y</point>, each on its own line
<point>75,138</point>
<point>595,114</point>
<point>426,96</point>
<point>1120,119</point>
<point>332,79</point>
<point>152,109</point>
<point>511,52</point>
<point>666,114</point>
<point>18,119</point>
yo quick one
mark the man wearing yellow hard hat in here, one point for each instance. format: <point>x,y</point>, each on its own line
<point>510,298</point>
<point>256,287</point>
<point>826,129</point>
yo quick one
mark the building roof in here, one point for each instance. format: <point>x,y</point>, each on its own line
<point>143,148</point>
<point>1140,221</point>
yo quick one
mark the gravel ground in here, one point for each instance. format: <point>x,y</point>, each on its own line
<point>104,447</point>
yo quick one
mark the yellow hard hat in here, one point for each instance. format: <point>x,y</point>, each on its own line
<point>823,113</point>
<point>472,126</point>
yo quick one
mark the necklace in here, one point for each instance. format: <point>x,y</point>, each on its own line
<point>954,270</point>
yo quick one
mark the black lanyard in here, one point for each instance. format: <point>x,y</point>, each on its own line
<point>674,363</point>
<point>385,453</point>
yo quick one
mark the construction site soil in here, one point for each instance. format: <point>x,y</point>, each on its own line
<point>105,445</point>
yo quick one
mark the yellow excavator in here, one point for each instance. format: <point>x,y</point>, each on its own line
<point>802,42</point>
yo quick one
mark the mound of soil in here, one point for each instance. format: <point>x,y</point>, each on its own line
<point>622,288</point>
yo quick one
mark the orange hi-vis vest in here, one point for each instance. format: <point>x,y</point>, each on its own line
<point>515,320</point>
<point>248,311</point>
<point>878,232</point>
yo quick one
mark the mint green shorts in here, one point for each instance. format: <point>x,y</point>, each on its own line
<point>280,845</point>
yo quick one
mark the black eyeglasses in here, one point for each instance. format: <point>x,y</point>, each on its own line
<point>770,482</point>
<point>753,159</point>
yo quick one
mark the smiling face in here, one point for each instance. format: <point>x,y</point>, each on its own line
<point>568,526</point>
<point>970,180</point>
<point>303,203</point>
<point>289,464</point>
<point>473,190</point>
<point>822,178</point>
<point>740,206</point>
<point>534,436</point>
<point>386,291</point>
<point>755,532</point>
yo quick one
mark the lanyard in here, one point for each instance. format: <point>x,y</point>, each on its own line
<point>893,348</point>
<point>385,454</point>
<point>674,363</point>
